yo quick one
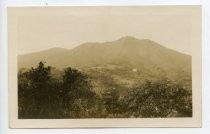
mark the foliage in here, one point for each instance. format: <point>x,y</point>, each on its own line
<point>160,99</point>
<point>42,96</point>
<point>76,93</point>
<point>111,102</point>
<point>36,94</point>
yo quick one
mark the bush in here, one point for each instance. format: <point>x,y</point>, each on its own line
<point>160,99</point>
<point>42,96</point>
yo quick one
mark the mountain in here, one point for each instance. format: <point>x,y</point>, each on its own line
<point>128,50</point>
<point>143,56</point>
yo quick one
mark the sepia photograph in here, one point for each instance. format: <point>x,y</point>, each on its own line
<point>102,64</point>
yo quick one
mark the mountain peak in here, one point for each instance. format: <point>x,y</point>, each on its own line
<point>57,48</point>
<point>128,38</point>
<point>131,38</point>
<point>127,50</point>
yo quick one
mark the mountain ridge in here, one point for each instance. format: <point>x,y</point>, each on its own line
<point>100,43</point>
<point>126,50</point>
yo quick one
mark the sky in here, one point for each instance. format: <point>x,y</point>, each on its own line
<point>44,28</point>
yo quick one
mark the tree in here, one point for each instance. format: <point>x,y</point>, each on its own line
<point>77,94</point>
<point>37,93</point>
<point>111,101</point>
<point>42,96</point>
<point>160,99</point>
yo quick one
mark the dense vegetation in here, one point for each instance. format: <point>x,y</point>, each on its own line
<point>40,95</point>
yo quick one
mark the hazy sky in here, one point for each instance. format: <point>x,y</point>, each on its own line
<point>70,27</point>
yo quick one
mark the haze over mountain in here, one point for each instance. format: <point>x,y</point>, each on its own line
<point>123,62</point>
<point>127,50</point>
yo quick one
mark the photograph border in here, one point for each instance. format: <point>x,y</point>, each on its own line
<point>195,121</point>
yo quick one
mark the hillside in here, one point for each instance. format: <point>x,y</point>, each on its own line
<point>127,50</point>
<point>124,61</point>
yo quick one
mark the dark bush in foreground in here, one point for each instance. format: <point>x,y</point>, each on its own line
<point>41,96</point>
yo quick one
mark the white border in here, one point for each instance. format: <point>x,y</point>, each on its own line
<point>206,72</point>
<point>195,121</point>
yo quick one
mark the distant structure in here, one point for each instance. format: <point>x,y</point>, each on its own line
<point>134,70</point>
